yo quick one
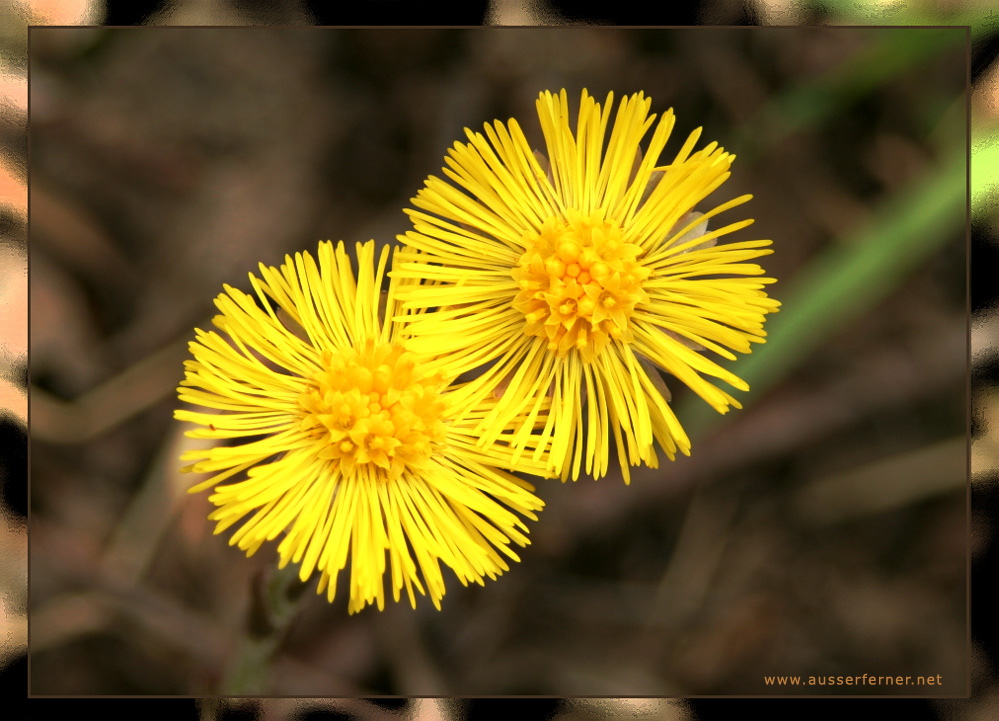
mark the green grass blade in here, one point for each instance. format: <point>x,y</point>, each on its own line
<point>848,279</point>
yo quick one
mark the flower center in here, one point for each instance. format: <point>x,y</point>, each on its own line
<point>579,283</point>
<point>373,408</point>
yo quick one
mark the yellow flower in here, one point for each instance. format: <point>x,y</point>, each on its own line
<point>344,440</point>
<point>571,273</point>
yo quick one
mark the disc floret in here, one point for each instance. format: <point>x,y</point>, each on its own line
<point>579,283</point>
<point>372,410</point>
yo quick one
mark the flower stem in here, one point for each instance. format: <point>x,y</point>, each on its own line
<point>276,597</point>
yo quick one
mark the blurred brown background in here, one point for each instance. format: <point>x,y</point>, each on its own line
<point>821,531</point>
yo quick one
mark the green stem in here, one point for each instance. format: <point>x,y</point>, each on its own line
<point>277,595</point>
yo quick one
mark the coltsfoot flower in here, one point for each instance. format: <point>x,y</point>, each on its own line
<point>338,437</point>
<point>563,276</point>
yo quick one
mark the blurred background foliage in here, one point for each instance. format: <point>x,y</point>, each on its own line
<point>822,530</point>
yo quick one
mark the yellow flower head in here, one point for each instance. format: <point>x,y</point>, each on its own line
<point>344,440</point>
<point>568,276</point>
